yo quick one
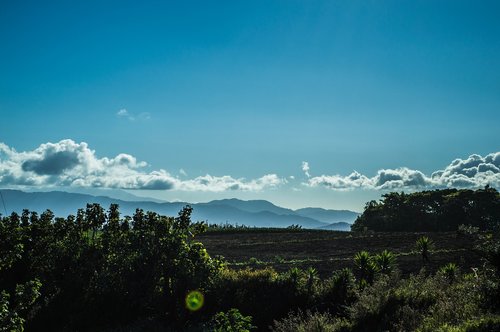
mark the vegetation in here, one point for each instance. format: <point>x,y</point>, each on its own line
<point>98,271</point>
<point>232,321</point>
<point>436,210</point>
<point>424,246</point>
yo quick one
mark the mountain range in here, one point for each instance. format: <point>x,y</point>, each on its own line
<point>253,213</point>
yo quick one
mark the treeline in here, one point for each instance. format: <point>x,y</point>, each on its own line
<point>98,271</point>
<point>436,210</point>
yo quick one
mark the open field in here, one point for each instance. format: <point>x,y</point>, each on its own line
<point>328,251</point>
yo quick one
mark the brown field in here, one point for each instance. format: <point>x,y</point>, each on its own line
<point>328,251</point>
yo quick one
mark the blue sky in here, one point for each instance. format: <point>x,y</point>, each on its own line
<point>248,89</point>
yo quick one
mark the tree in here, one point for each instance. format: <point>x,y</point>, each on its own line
<point>433,210</point>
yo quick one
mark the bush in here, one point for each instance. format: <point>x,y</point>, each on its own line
<point>456,302</point>
<point>310,322</point>
<point>394,304</point>
<point>262,294</point>
<point>338,292</point>
<point>449,271</point>
<point>485,323</point>
<point>231,321</point>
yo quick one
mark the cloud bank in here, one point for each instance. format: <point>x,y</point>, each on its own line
<point>473,172</point>
<point>67,163</point>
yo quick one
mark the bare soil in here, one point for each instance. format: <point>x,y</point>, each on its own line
<point>328,251</point>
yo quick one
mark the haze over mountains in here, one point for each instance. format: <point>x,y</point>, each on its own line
<point>258,213</point>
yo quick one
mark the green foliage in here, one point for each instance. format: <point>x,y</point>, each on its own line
<point>490,247</point>
<point>100,271</point>
<point>262,294</point>
<point>484,323</point>
<point>435,210</point>
<point>14,308</point>
<point>11,247</point>
<point>97,265</point>
<point>365,268</point>
<point>449,271</point>
<point>254,261</point>
<point>455,303</point>
<point>424,246</point>
<point>310,322</point>
<point>232,321</point>
<point>311,275</point>
<point>337,292</point>
<point>421,303</point>
<point>384,262</point>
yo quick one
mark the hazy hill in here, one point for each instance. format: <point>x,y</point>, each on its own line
<point>328,216</point>
<point>337,226</point>
<point>253,205</point>
<point>257,213</point>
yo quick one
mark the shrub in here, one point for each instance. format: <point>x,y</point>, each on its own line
<point>449,271</point>
<point>384,262</point>
<point>365,268</point>
<point>338,292</point>
<point>231,321</point>
<point>424,246</point>
<point>455,304</point>
<point>310,322</point>
<point>262,294</point>
<point>394,304</point>
<point>485,323</point>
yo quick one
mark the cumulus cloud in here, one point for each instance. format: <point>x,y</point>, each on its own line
<point>305,168</point>
<point>473,172</point>
<point>67,163</point>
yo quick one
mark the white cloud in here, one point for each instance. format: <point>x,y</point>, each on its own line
<point>67,163</point>
<point>474,172</point>
<point>305,168</point>
<point>124,113</point>
<point>224,183</point>
<point>182,172</point>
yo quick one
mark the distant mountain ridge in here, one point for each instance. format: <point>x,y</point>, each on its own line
<point>258,213</point>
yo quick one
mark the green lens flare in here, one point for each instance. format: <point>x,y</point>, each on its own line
<point>194,300</point>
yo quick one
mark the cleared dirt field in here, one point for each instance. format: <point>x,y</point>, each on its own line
<point>328,251</point>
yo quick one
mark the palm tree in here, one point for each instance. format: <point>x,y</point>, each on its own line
<point>424,246</point>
